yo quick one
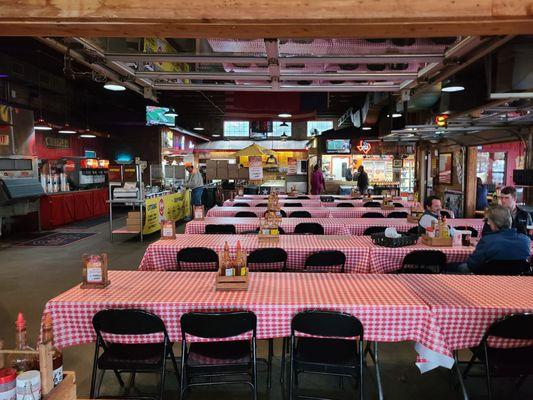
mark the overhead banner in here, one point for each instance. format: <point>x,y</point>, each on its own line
<point>255,168</point>
<point>172,207</point>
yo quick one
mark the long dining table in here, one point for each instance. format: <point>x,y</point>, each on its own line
<point>362,255</point>
<point>440,313</point>
<point>332,226</point>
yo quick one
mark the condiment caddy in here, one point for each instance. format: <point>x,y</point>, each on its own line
<point>94,271</point>
<point>233,274</point>
<point>168,230</point>
<point>415,213</point>
<point>269,224</point>
<point>438,234</point>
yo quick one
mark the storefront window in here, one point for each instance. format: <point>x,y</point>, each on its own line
<point>491,167</point>
<point>278,130</point>
<point>498,169</point>
<point>318,127</point>
<point>236,128</point>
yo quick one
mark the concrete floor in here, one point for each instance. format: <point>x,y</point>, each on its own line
<point>29,276</point>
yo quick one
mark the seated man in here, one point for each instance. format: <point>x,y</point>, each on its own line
<point>521,218</point>
<point>502,243</point>
<point>433,207</point>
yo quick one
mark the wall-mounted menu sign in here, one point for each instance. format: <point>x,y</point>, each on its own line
<point>56,142</point>
<point>130,173</point>
<point>115,173</point>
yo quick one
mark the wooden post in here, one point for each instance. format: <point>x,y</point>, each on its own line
<point>46,367</point>
<point>2,357</point>
<point>470,182</point>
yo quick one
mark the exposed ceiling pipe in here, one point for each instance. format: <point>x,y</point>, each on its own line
<point>188,132</point>
<point>95,67</point>
<point>283,88</point>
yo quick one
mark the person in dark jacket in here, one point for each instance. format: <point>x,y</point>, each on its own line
<point>362,180</point>
<point>502,243</point>
<point>521,219</point>
<point>481,195</point>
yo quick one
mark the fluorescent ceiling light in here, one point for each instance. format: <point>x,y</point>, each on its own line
<point>115,87</point>
<point>284,115</point>
<point>215,135</point>
<point>394,115</point>
<point>41,125</point>
<point>87,135</point>
<point>366,128</point>
<point>198,128</point>
<point>67,129</point>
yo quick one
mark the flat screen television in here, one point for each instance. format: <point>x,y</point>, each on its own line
<point>156,116</point>
<point>259,130</point>
<point>338,146</point>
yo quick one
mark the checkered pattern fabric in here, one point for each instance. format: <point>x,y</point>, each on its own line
<point>357,212</point>
<point>388,259</point>
<point>331,226</point>
<point>388,309</point>
<point>253,203</point>
<point>161,255</point>
<point>464,306</point>
<point>316,212</point>
<point>357,226</point>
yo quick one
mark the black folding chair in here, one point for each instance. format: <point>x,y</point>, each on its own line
<point>241,205</point>
<point>345,205</point>
<point>327,199</point>
<point>282,213</point>
<point>474,232</point>
<point>505,267</point>
<point>338,350</point>
<point>261,205</point>
<point>308,228</point>
<point>220,228</point>
<point>374,229</point>
<point>397,214</point>
<point>504,362</point>
<point>274,257</point>
<point>374,204</point>
<point>218,359</point>
<point>130,358</point>
<point>300,214</point>
<point>197,255</point>
<point>246,214</point>
<point>372,215</point>
<point>292,205</point>
<point>423,262</point>
<point>302,198</point>
<point>325,260</point>
<point>397,205</point>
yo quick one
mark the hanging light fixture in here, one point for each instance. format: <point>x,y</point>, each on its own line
<point>271,160</point>
<point>284,115</point>
<point>284,137</point>
<point>452,86</point>
<point>171,113</point>
<point>284,124</point>
<point>114,86</point>
<point>198,127</point>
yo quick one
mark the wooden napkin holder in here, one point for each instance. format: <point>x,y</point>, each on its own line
<point>199,213</point>
<point>412,220</point>
<point>437,242</point>
<point>232,283</point>
<point>387,207</point>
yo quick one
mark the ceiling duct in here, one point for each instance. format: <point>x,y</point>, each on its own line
<point>513,69</point>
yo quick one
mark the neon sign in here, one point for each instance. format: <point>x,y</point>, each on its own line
<point>364,147</point>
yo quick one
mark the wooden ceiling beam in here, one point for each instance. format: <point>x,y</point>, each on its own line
<point>266,18</point>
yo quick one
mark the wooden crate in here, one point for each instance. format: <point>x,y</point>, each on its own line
<point>384,207</point>
<point>232,283</point>
<point>437,242</point>
<point>66,390</point>
<point>267,238</point>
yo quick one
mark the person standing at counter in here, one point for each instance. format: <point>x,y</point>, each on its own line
<point>362,180</point>
<point>481,195</point>
<point>195,182</point>
<point>317,181</point>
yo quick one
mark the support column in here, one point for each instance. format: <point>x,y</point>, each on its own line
<point>470,181</point>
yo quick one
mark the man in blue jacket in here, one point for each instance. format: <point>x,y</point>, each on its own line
<point>502,243</point>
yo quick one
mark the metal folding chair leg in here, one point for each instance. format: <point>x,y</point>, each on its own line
<point>378,372</point>
<point>460,376</point>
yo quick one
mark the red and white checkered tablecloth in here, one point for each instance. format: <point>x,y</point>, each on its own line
<point>357,226</point>
<point>388,309</point>
<point>463,307</point>
<point>357,212</point>
<point>316,212</point>
<point>254,203</point>
<point>388,259</point>
<point>332,226</point>
<point>161,255</point>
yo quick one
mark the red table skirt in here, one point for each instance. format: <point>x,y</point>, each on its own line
<point>64,208</point>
